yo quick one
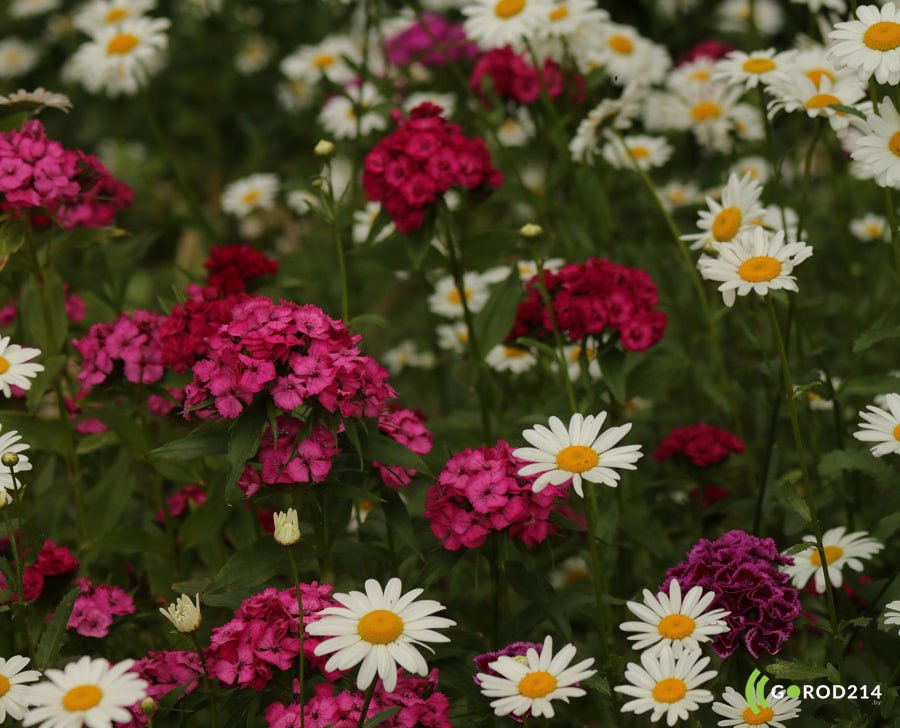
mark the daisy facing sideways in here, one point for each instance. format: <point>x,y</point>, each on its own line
<point>737,712</point>
<point>380,628</point>
<point>10,442</point>
<point>256,191</point>
<point>577,452</point>
<point>878,149</point>
<point>841,549</point>
<point>13,688</point>
<point>882,427</point>
<point>530,684</point>
<point>722,221</point>
<point>892,613</point>
<point>16,367</point>
<point>668,621</point>
<point>756,260</point>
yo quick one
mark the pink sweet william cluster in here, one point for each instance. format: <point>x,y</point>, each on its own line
<point>412,167</point>
<point>702,444</point>
<point>49,183</point>
<point>94,609</point>
<point>165,671</point>
<point>419,702</point>
<point>432,41</point>
<point>406,427</point>
<point>594,298</point>
<point>264,635</point>
<point>480,491</point>
<point>511,77</point>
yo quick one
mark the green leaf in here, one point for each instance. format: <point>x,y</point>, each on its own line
<point>243,443</point>
<point>875,334</point>
<point>43,381</point>
<point>788,495</point>
<point>493,323</point>
<point>204,523</point>
<point>12,238</point>
<point>398,520</point>
<point>44,311</point>
<point>130,541</point>
<point>841,108</point>
<point>799,670</point>
<point>250,567</point>
<point>379,448</point>
<point>54,635</point>
<point>612,365</point>
<point>381,717</point>
<point>199,444</point>
<point>124,424</point>
<point>838,461</point>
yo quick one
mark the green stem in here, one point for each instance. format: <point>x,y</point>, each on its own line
<point>334,214</point>
<point>892,226</point>
<point>207,679</point>
<point>296,575</point>
<point>807,165</point>
<point>495,572</point>
<point>893,680</point>
<point>20,574</point>
<point>772,150</point>
<point>365,709</point>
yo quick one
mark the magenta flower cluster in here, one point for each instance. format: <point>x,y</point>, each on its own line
<point>406,427</point>
<point>94,609</point>
<point>165,671</point>
<point>743,572</point>
<point>431,41</point>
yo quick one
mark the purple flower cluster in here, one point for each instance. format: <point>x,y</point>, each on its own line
<point>431,41</point>
<point>743,572</point>
<point>93,613</point>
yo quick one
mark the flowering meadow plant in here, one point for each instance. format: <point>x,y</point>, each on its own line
<point>450,363</point>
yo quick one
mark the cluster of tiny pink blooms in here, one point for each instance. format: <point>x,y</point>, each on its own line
<point>406,427</point>
<point>264,634</point>
<point>594,298</point>
<point>165,671</point>
<point>52,560</point>
<point>181,501</point>
<point>411,168</point>
<point>480,491</point>
<point>298,353</point>
<point>232,267</point>
<point>432,40</point>
<point>40,177</point>
<point>420,705</point>
<point>94,609</point>
<point>702,444</point>
<point>513,78</point>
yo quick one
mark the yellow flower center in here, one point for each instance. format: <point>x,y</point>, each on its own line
<point>577,459</point>
<point>670,690</point>
<point>324,60</point>
<point>677,196</point>
<point>676,626</point>
<point>620,44</point>
<point>559,13</point>
<point>454,297</point>
<point>883,36</point>
<point>250,197</point>
<point>122,44</point>
<point>820,101</point>
<point>464,337</point>
<point>380,627</point>
<point>81,698</point>
<point>815,75</point>
<point>726,224</point>
<point>116,14</point>
<point>706,110</point>
<point>763,716</point>
<point>701,74</point>
<point>832,554</point>
<point>365,506</point>
<point>894,143</point>
<point>508,8</point>
<point>537,684</point>
<point>759,65</point>
<point>4,685</point>
<point>513,352</point>
<point>576,574</point>
<point>896,433</point>
<point>640,152</point>
<point>873,230</point>
<point>759,269</point>
<point>4,365</point>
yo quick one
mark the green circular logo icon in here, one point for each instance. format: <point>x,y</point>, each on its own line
<point>793,691</point>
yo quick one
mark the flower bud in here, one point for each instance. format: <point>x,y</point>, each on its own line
<point>287,527</point>
<point>324,148</point>
<point>531,230</point>
<point>9,459</point>
<point>148,706</point>
<point>184,614</point>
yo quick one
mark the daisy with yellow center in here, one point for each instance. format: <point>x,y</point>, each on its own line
<point>16,58</point>
<point>796,92</point>
<point>497,23</point>
<point>737,713</point>
<point>339,114</point>
<point>706,110</point>
<point>97,14</point>
<point>572,354</point>
<point>667,685</point>
<point>381,628</point>
<point>87,692</point>
<point>646,152</point>
<point>331,59</point>
<point>757,261</point>
<point>16,367</point>
<point>870,46</point>
<point>736,15</point>
<point>841,549</point>
<point>254,192</point>
<point>627,57</point>
<point>868,227</point>
<point>878,149</point>
<point>513,359</point>
<point>14,698</point>
<point>578,452</point>
<point>447,300</point>
<point>723,220</point>
<point>667,620</point>
<point>678,194</point>
<point>528,685</point>
<point>881,427</point>
<point>748,70</point>
<point>696,73</point>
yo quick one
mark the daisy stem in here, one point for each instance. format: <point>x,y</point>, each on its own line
<point>804,468</point>
<point>365,709</point>
<point>807,166</point>
<point>772,150</point>
<point>20,574</point>
<point>338,246</point>
<point>207,679</point>
<point>892,226</point>
<point>296,575</point>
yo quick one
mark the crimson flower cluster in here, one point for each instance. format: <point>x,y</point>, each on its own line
<point>232,267</point>
<point>165,671</point>
<point>702,444</point>
<point>432,41</point>
<point>412,167</point>
<point>513,78</point>
<point>743,572</point>
<point>52,560</point>
<point>41,178</point>
<point>94,609</point>
<point>594,298</point>
<point>480,491</point>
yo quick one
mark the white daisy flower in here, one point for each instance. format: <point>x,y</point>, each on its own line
<point>446,299</point>
<point>696,72</point>
<point>881,426</point>
<point>254,192</point>
<point>616,113</point>
<point>628,57</point>
<point>892,613</point>
<point>750,69</point>
<point>667,685</point>
<point>99,13</point>
<point>737,712</point>
<point>38,99</point>
<point>817,402</point>
<point>406,354</point>
<point>511,359</point>
<point>364,220</point>
<point>14,697</point>
<point>706,110</point>
<point>326,59</point>
<point>797,92</point>
<point>29,8</point>
<point>302,201</point>
<point>577,452</point>
<point>774,218</point>
<point>496,23</point>
<point>678,194</point>
<point>121,58</point>
<point>527,270</point>
<point>748,125</point>
<point>343,116</point>
<point>869,227</point>
<point>734,15</point>
<point>571,571</point>
<point>841,549</point>
<point>668,621</point>
<point>253,55</point>
<point>870,45</point>
<point>529,685</point>
<point>814,63</point>
<point>517,129</point>
<point>646,151</point>
<point>722,221</point>
<point>572,354</point>
<point>10,442</point>
<point>757,167</point>
<point>295,94</point>
<point>571,26</point>
<point>380,629</point>
<point>16,58</point>
<point>89,691</point>
<point>757,261</point>
<point>879,147</point>
<point>452,337</point>
<point>16,367</point>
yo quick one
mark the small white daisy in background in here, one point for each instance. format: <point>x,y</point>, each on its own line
<point>758,168</point>
<point>302,201</point>
<point>327,59</point>
<point>870,45</point>
<point>254,192</point>
<point>577,452</point>
<point>14,697</point>
<point>529,685</point>
<point>516,130</point>
<point>380,629</point>
<point>879,147</point>
<point>737,712</point>
<point>99,13</point>
<point>668,621</point>
<point>892,613</point>
<point>569,29</point>
<point>735,15</point>
<point>646,152</point>
<point>343,116</point>
<point>29,8</point>
<point>11,442</point>
<point>627,57</point>
<point>722,221</point>
<point>775,218</point>
<point>748,126</point>
<point>364,220</point>
<point>407,355</point>
<point>751,69</point>
<point>797,92</point>
<point>121,58</point>
<point>90,692</point>
<point>881,426</point>
<point>184,614</point>
<point>757,261</point>
<point>16,367</point>
<point>697,72</point>
<point>37,100</point>
<point>510,359</point>
<point>295,95</point>
<point>869,227</point>
<point>452,337</point>
<point>446,101</point>
<point>16,58</point>
<point>571,571</point>
<point>617,114</point>
<point>841,549</point>
<point>447,301</point>
<point>497,23</point>
<point>819,402</point>
<point>667,685</point>
<point>676,194</point>
<point>572,354</point>
<point>706,110</point>
<point>253,55</point>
